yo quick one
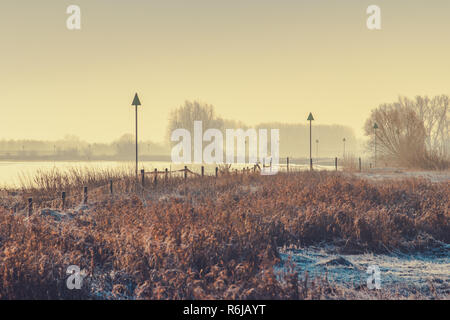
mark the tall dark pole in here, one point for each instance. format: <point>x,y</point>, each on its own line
<point>310,144</point>
<point>375,127</point>
<point>136,103</point>
<point>310,119</point>
<point>375,162</point>
<point>343,155</point>
<point>136,143</point>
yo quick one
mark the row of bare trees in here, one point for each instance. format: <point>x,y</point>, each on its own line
<point>412,132</point>
<point>294,138</point>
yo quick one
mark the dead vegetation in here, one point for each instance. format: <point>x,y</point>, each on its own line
<point>218,239</point>
<point>413,133</point>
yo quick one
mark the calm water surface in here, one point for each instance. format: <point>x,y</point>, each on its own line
<point>11,172</point>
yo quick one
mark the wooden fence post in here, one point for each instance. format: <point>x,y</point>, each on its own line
<point>217,172</point>
<point>287,164</point>
<point>142,178</point>
<point>155,179</point>
<point>335,163</point>
<point>359,164</point>
<point>110,187</point>
<point>30,206</point>
<point>85,198</point>
<point>185,172</point>
<point>166,175</point>
<point>203,171</point>
<point>63,199</point>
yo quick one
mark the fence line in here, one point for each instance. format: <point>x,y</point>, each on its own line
<point>65,200</point>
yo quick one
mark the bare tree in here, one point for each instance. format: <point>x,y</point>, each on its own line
<point>400,135</point>
<point>435,114</point>
<point>412,132</point>
<point>125,147</point>
<point>184,117</point>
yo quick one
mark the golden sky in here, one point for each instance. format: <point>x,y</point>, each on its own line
<point>254,60</point>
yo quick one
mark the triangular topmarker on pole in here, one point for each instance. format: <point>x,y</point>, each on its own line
<point>136,101</point>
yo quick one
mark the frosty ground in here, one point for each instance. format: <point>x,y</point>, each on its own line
<point>299,235</point>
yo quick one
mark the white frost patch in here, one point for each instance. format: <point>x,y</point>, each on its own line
<point>404,270</point>
<point>389,173</point>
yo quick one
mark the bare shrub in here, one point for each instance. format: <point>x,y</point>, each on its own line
<point>411,133</point>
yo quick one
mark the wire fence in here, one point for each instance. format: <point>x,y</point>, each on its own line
<point>149,181</point>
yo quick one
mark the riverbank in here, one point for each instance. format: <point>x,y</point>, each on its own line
<point>230,238</point>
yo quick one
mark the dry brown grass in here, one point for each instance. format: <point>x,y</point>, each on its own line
<point>218,239</point>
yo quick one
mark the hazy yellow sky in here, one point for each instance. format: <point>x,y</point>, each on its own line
<point>254,60</point>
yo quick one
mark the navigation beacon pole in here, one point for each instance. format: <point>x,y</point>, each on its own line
<point>310,119</point>
<point>136,103</point>
<point>375,127</point>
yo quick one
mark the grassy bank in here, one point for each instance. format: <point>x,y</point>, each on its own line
<point>217,239</point>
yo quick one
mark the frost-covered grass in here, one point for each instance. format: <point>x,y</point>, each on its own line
<point>220,239</point>
<point>403,274</point>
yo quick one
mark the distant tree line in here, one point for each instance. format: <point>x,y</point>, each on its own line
<point>72,148</point>
<point>294,138</point>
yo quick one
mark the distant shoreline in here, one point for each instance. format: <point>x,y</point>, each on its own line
<point>159,158</point>
<point>165,158</point>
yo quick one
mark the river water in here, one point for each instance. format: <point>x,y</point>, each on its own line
<point>12,172</point>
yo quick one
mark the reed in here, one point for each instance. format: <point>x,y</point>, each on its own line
<point>217,238</point>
